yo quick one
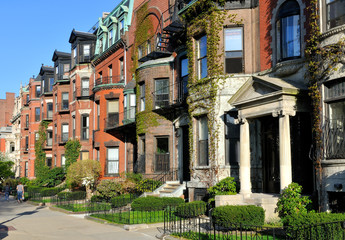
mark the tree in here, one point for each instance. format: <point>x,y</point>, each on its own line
<point>84,173</point>
<point>41,169</point>
<point>5,167</point>
<point>72,149</point>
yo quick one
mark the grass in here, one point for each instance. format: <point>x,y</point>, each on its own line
<point>85,207</point>
<point>224,236</point>
<point>132,217</point>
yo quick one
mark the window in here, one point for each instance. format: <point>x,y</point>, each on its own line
<point>26,173</point>
<point>162,154</point>
<point>66,68</point>
<point>161,93</point>
<point>110,71</point>
<point>55,133</point>
<point>37,114</point>
<point>51,84</point>
<point>86,52</point>
<point>232,140</point>
<point>183,90</point>
<point>100,45</point>
<point>50,110</point>
<point>27,121</point>
<point>113,113</point>
<point>202,56</point>
<point>148,48</point>
<point>100,74</point>
<point>73,90</point>
<point>288,31</point>
<point>64,132</point>
<point>140,51</point>
<point>142,97</point>
<point>56,103</point>
<point>65,103</point>
<point>335,13</point>
<point>84,127</point>
<point>73,127</point>
<point>54,160</point>
<point>122,72</point>
<point>98,114</point>
<point>203,141</point>
<point>26,143</point>
<point>38,91</point>
<point>63,161</point>
<point>112,160</point>
<point>97,154</point>
<point>132,104</point>
<point>121,25</point>
<point>75,55</point>
<point>84,155</point>
<point>49,138</point>
<point>233,50</point>
<point>57,70</point>
<point>27,98</point>
<point>110,37</point>
<point>12,147</point>
<point>85,87</point>
<point>49,162</point>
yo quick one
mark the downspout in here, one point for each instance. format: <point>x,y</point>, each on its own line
<point>173,126</point>
<point>94,117</point>
<point>125,152</point>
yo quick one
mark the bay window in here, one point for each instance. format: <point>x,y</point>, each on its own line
<point>335,13</point>
<point>202,56</point>
<point>112,160</point>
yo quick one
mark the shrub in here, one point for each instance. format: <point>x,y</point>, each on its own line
<point>191,209</point>
<point>25,181</point>
<point>121,200</point>
<point>134,177</point>
<point>155,203</point>
<point>230,216</point>
<point>146,185</point>
<point>47,192</point>
<point>97,198</point>
<point>108,189</point>
<point>227,186</point>
<point>291,201</point>
<point>78,195</point>
<point>311,221</point>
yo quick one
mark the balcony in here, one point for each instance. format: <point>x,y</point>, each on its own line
<point>120,119</point>
<point>48,116</point>
<point>63,138</point>
<point>63,107</point>
<point>109,80</point>
<point>62,77</point>
<point>163,99</point>
<point>154,48</point>
<point>48,144</point>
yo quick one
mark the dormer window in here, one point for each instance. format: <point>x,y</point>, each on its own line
<point>288,30</point>
<point>100,45</point>
<point>57,70</point>
<point>121,25</point>
<point>335,13</point>
<point>110,37</point>
<point>75,55</point>
<point>86,51</point>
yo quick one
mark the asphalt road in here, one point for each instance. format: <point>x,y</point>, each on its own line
<point>23,221</point>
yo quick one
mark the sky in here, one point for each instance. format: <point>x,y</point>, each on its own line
<point>33,29</point>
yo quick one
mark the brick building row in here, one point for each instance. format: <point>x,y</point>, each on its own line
<point>137,90</point>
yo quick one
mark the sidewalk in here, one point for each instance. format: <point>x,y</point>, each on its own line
<point>26,222</point>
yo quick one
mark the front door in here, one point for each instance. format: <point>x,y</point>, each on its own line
<point>270,154</point>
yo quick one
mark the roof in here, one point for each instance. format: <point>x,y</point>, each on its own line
<point>58,54</point>
<point>46,69</point>
<point>84,35</point>
<point>130,85</point>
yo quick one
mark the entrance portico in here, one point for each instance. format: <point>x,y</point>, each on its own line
<point>261,97</point>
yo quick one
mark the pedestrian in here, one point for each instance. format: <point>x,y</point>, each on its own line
<point>7,192</point>
<point>20,192</point>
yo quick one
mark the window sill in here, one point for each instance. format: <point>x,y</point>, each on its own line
<point>202,167</point>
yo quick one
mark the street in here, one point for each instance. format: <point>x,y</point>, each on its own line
<point>27,222</point>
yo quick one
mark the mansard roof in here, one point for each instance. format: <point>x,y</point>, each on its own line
<point>82,35</point>
<point>57,54</point>
<point>46,69</point>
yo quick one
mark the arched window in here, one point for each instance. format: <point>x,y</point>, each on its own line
<point>288,29</point>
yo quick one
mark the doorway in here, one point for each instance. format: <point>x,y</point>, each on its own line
<point>185,154</point>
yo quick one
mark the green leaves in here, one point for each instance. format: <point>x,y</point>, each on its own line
<point>72,150</point>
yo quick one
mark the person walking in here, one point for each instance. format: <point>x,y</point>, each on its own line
<point>20,192</point>
<point>7,191</point>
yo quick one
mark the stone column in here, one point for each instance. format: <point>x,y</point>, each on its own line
<point>285,151</point>
<point>245,182</point>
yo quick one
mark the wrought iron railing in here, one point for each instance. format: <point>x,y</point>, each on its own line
<point>82,91</point>
<point>163,96</point>
<point>120,119</point>
<point>162,162</point>
<point>63,138</point>
<point>333,136</point>
<point>109,80</point>
<point>64,106</point>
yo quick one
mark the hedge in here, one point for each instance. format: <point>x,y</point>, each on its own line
<point>122,200</point>
<point>155,203</point>
<point>191,209</point>
<point>238,216</point>
<point>72,195</point>
<point>43,191</point>
<point>309,225</point>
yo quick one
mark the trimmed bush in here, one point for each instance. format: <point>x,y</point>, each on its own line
<point>155,203</point>
<point>147,185</point>
<point>97,198</point>
<point>233,216</point>
<point>191,209</point>
<point>108,189</point>
<point>67,196</point>
<point>47,192</point>
<point>308,225</point>
<point>121,201</point>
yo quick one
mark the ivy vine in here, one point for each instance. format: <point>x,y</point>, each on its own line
<point>206,17</point>
<point>41,168</point>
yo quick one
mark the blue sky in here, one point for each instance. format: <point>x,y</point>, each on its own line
<point>33,29</point>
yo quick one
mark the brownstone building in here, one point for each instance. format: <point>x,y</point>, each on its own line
<point>6,109</point>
